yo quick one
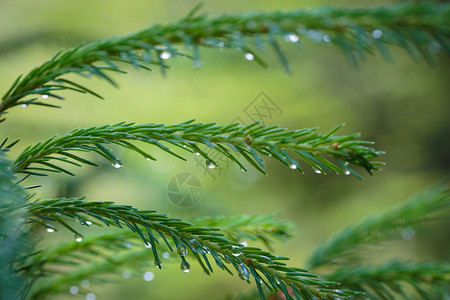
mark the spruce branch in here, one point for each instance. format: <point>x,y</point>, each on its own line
<point>421,29</point>
<point>390,280</point>
<point>249,262</point>
<point>62,280</point>
<point>258,227</point>
<point>14,234</point>
<point>252,142</point>
<point>373,230</point>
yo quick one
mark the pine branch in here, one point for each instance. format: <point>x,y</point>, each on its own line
<point>14,234</point>
<point>250,262</point>
<point>376,229</point>
<point>253,227</point>
<point>59,283</point>
<point>421,29</point>
<point>251,142</point>
<point>390,280</point>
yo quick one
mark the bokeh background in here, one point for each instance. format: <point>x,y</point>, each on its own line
<point>403,107</point>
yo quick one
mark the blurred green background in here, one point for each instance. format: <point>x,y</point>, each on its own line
<point>403,107</point>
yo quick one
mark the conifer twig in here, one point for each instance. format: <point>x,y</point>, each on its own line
<point>252,142</point>
<point>379,228</point>
<point>421,29</point>
<point>249,262</point>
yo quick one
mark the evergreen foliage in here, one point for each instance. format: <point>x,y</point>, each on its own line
<point>418,28</point>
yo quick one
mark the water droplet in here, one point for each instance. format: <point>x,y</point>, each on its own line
<point>244,243</point>
<point>314,35</point>
<point>198,64</point>
<point>158,264</point>
<point>165,55</point>
<point>434,47</point>
<point>49,228</point>
<point>148,245</point>
<point>85,284</point>
<point>236,251</point>
<point>221,44</point>
<point>116,164</point>
<point>293,37</point>
<point>347,172</point>
<point>24,105</point>
<point>407,233</point>
<point>317,171</point>
<point>148,276</point>
<point>243,271</point>
<point>249,56</point>
<point>196,153</point>
<point>293,166</point>
<point>326,38</point>
<point>78,237</point>
<point>185,267</point>
<point>126,274</point>
<point>210,164</point>
<point>74,290</point>
<point>44,96</point>
<point>182,250</point>
<point>88,223</point>
<point>166,254</point>
<point>90,296</point>
<point>377,33</point>
<point>148,159</point>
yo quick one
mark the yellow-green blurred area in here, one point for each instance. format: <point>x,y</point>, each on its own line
<point>403,107</point>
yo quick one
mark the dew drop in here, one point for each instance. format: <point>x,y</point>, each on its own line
<point>326,38</point>
<point>116,164</point>
<point>347,172</point>
<point>434,47</point>
<point>377,33</point>
<point>221,44</point>
<point>88,223</point>
<point>44,96</point>
<point>407,233</point>
<point>85,284</point>
<point>210,164</point>
<point>293,37</point>
<point>182,250</point>
<point>293,166</point>
<point>166,254</point>
<point>149,276</point>
<point>148,159</point>
<point>243,271</point>
<point>24,105</point>
<point>74,290</point>
<point>126,274</point>
<point>165,55</point>
<point>317,171</point>
<point>244,244</point>
<point>78,238</point>
<point>148,245</point>
<point>90,296</point>
<point>196,153</point>
<point>249,56</point>
<point>49,228</point>
<point>158,264</point>
<point>185,267</point>
<point>236,251</point>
